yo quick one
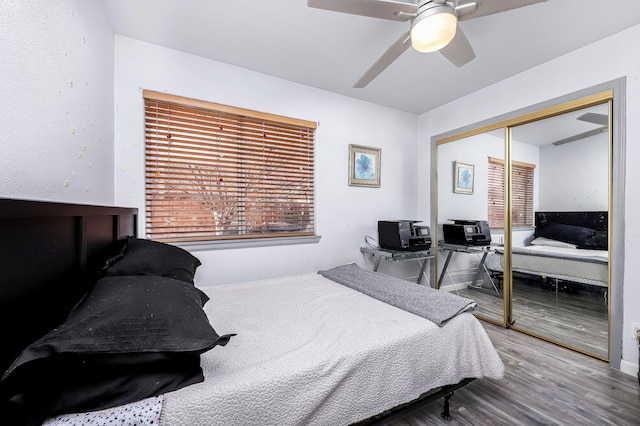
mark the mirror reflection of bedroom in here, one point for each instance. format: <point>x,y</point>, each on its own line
<point>546,272</point>
<point>560,271</point>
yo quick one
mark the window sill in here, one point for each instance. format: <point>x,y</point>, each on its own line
<point>249,243</point>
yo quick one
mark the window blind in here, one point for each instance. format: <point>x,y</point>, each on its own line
<point>521,193</point>
<point>219,172</point>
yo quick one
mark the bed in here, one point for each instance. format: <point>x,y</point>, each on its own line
<point>567,246</point>
<point>102,325</point>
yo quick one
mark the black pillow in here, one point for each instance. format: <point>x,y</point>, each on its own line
<point>132,337</point>
<point>597,241</point>
<point>147,257</point>
<point>87,383</point>
<point>572,234</point>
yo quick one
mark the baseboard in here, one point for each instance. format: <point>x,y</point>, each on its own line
<point>629,368</point>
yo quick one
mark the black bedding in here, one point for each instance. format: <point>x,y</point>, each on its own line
<point>121,343</point>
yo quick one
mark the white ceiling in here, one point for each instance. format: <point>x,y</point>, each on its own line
<point>331,50</point>
<point>560,127</point>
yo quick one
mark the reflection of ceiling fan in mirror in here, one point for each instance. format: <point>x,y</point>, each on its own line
<point>434,25</point>
<point>590,117</point>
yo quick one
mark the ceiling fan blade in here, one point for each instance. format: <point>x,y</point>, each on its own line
<point>392,53</point>
<point>581,135</point>
<point>595,118</point>
<point>466,8</point>
<point>490,7</point>
<point>459,50</point>
<point>384,9</point>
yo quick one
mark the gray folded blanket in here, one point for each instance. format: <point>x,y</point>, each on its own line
<point>434,305</point>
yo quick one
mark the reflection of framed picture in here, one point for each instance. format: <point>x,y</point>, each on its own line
<point>364,166</point>
<point>463,178</point>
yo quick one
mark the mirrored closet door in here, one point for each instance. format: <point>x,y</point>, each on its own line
<point>560,274</point>
<point>541,183</point>
<point>465,189</point>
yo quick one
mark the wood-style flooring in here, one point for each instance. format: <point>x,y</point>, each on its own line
<point>571,314</point>
<point>544,384</point>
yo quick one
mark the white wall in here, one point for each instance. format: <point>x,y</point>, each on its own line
<point>56,102</point>
<point>344,214</point>
<point>574,176</point>
<point>603,61</point>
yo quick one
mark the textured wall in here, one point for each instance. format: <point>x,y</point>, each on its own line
<point>56,101</point>
<point>574,176</point>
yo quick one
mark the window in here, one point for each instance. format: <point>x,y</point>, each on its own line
<point>521,193</point>
<point>215,172</point>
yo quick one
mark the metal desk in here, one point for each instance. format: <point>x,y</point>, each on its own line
<point>452,248</point>
<point>422,256</point>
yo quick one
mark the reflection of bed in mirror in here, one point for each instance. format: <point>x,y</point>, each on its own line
<point>567,246</point>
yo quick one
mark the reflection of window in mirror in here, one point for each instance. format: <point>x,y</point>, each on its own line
<point>521,192</point>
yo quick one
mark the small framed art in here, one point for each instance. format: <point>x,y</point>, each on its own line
<point>463,178</point>
<point>364,166</point>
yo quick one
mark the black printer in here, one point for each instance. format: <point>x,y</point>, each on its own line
<point>467,232</point>
<point>403,235</point>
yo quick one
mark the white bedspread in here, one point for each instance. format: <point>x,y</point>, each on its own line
<point>585,255</point>
<point>311,351</point>
<point>579,265</point>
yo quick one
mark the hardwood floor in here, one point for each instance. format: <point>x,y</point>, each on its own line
<point>544,384</point>
<point>575,315</point>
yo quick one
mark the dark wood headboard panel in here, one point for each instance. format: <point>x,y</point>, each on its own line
<point>50,254</point>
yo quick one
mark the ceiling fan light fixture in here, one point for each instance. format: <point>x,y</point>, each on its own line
<point>434,27</point>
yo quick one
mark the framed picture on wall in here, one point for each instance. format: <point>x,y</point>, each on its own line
<point>463,178</point>
<point>364,166</point>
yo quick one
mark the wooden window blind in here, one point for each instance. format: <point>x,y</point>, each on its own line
<point>521,193</point>
<point>219,172</point>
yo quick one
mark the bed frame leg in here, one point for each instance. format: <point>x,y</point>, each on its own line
<point>445,414</point>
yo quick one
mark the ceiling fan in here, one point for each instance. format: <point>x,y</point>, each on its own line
<point>601,120</point>
<point>434,25</point>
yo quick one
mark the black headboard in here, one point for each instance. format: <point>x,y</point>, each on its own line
<point>587,230</point>
<point>597,220</point>
<point>50,254</point>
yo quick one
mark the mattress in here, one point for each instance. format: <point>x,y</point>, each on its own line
<point>572,264</point>
<point>311,351</point>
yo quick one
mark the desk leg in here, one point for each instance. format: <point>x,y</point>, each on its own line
<point>444,269</point>
<point>377,263</point>
<point>491,279</point>
<point>480,269</point>
<point>423,267</point>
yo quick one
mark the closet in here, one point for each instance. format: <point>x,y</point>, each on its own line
<point>546,180</point>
